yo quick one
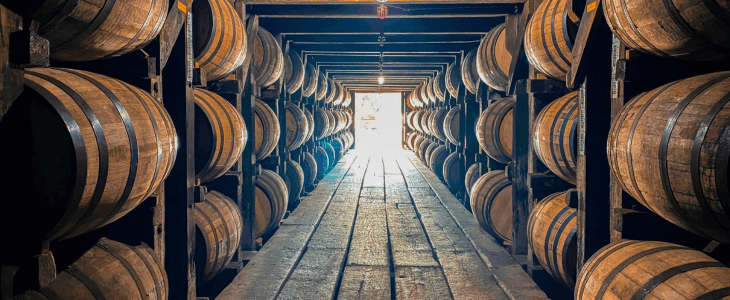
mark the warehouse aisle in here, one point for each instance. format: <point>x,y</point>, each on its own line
<point>381,227</point>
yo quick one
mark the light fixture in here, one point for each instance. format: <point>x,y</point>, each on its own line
<point>381,79</point>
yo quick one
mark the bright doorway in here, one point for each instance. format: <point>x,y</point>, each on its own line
<point>378,121</point>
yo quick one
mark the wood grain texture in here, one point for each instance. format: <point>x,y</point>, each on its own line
<point>92,29</point>
<point>494,130</point>
<point>554,136</point>
<point>493,60</point>
<point>219,40</point>
<point>369,246</point>
<point>694,30</point>
<point>365,282</point>
<point>220,135</point>
<point>652,270</point>
<point>113,144</point>
<point>491,202</point>
<point>669,149</point>
<point>268,59</point>
<point>421,283</point>
<point>219,224</point>
<point>549,38</point>
<point>452,125</point>
<point>267,128</point>
<point>551,233</point>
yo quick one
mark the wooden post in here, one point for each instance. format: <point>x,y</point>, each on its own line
<point>179,223</point>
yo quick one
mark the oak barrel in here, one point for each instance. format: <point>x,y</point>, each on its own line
<point>471,177</point>
<point>452,78</point>
<point>551,234</point>
<point>323,161</point>
<point>409,119</point>
<point>554,136</point>
<point>112,145</point>
<point>694,30</point>
<point>348,97</point>
<point>340,96</point>
<point>321,124</point>
<point>297,127</point>
<point>271,199</point>
<point>424,121</point>
<point>452,124</point>
<point>310,122</point>
<point>267,128</point>
<point>416,96</point>
<point>493,59</point>
<point>437,160</point>
<point>218,229</point>
<point>452,170</point>
<point>549,38</point>
<point>439,86</point>
<point>670,149</point>
<point>309,166</point>
<point>293,72</point>
<point>80,30</point>
<point>430,91</point>
<point>219,38</point>
<point>322,86</point>
<point>437,123</point>
<point>220,135</point>
<point>422,150</point>
<point>331,155</point>
<point>267,63</point>
<point>494,130</point>
<point>417,120</point>
<point>424,93</point>
<point>309,84</point>
<point>294,182</point>
<point>332,122</point>
<point>652,270</point>
<point>331,91</point>
<point>469,74</point>
<point>110,270</point>
<point>491,204</point>
<point>427,152</point>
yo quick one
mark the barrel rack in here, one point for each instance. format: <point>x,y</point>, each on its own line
<point>167,64</point>
<point>606,73</point>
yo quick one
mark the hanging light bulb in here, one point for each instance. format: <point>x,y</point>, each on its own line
<point>381,79</point>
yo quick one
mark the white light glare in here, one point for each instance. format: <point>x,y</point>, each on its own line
<point>381,79</point>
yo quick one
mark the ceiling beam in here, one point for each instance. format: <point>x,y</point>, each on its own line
<point>389,2</point>
<point>370,10</point>
<point>399,26</point>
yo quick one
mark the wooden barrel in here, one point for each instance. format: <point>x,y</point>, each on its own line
<point>91,30</point>
<point>310,122</point>
<point>491,204</point>
<point>422,150</point>
<point>409,119</point>
<point>696,30</point>
<point>439,86</point>
<point>331,91</point>
<point>417,144</point>
<point>494,130</point>
<point>469,74</point>
<point>342,122</point>
<point>424,121</point>
<point>670,147</point>
<point>452,78</point>
<point>551,234</point>
<point>267,128</point>
<point>416,96</point>
<point>340,97</point>
<point>493,59</point>
<point>220,135</point>
<point>417,121</point>
<point>437,159</point>
<point>268,61</point>
<point>437,123</point>
<point>293,72</point>
<point>452,170</point>
<point>81,174</point>
<point>322,86</point>
<point>321,124</point>
<point>218,225</point>
<point>549,38</point>
<point>309,166</point>
<point>424,93</point>
<point>652,270</point>
<point>429,153</point>
<point>297,127</point>
<point>323,161</point>
<point>294,182</point>
<point>350,117</point>
<point>309,84</point>
<point>410,139</point>
<point>271,199</point>
<point>348,98</point>
<point>331,155</point>
<point>452,124</point>
<point>554,136</point>
<point>219,38</point>
<point>109,270</point>
<point>471,177</point>
<point>430,91</point>
<point>332,122</point>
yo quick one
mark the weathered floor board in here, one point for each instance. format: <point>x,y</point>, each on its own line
<point>382,227</point>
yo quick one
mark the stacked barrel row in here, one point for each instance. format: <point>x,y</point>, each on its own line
<point>99,147</point>
<point>669,149</point>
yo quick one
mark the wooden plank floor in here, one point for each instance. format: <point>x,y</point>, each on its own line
<point>381,227</point>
